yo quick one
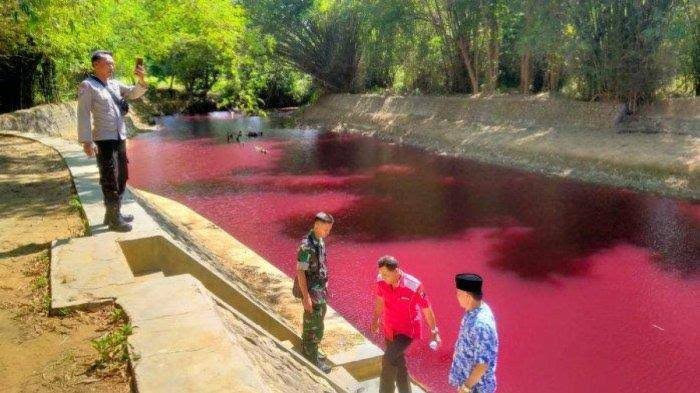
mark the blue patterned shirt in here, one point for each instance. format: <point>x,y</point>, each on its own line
<point>477,343</point>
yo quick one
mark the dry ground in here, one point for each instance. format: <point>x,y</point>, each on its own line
<point>38,352</point>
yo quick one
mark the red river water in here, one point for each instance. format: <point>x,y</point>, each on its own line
<point>594,289</point>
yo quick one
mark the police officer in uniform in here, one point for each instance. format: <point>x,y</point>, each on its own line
<point>103,134</point>
<point>311,286</point>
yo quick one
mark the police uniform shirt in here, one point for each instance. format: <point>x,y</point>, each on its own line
<point>107,122</point>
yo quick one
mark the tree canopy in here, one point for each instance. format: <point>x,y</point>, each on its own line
<point>253,54</point>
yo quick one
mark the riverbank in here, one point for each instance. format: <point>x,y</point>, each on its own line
<point>60,120</point>
<point>657,151</point>
<point>262,353</point>
<point>39,352</point>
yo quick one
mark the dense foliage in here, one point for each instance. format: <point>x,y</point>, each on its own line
<point>623,50</point>
<point>254,54</point>
<point>202,49</point>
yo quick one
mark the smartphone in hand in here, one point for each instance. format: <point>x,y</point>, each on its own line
<point>139,62</point>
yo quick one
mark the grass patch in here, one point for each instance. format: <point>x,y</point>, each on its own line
<point>63,312</point>
<point>112,348</point>
<point>41,282</point>
<point>77,206</point>
<point>117,315</point>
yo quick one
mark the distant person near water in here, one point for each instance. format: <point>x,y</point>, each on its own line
<point>476,350</point>
<point>401,299</point>
<point>102,107</point>
<point>311,286</point>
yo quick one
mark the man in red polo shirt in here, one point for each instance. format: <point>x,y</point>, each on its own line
<point>400,299</point>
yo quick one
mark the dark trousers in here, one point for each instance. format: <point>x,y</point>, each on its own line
<point>394,372</point>
<point>112,163</point>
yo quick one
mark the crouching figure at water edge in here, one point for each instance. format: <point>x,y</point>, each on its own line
<point>476,350</point>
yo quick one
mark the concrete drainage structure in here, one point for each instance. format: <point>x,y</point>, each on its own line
<point>193,323</point>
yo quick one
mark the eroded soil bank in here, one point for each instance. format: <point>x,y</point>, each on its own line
<point>656,151</point>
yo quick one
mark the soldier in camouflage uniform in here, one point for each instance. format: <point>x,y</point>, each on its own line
<point>312,278</point>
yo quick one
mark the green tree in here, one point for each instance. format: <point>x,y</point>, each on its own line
<point>617,52</point>
<point>320,38</point>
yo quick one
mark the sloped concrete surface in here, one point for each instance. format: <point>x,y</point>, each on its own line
<point>267,283</point>
<point>180,343</point>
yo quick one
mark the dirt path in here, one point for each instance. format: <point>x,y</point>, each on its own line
<point>39,353</point>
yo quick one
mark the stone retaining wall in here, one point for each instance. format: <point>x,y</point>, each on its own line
<point>59,120</point>
<point>53,119</point>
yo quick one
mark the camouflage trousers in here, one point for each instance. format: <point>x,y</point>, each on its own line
<point>313,331</point>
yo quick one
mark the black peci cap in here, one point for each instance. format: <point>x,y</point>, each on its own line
<point>469,283</point>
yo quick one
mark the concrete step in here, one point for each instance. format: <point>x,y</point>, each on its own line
<point>86,271</point>
<point>346,381</point>
<point>363,361</point>
<point>149,276</point>
<point>372,385</point>
<point>177,328</point>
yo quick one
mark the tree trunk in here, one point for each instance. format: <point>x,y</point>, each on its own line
<point>467,59</point>
<point>525,72</point>
<point>493,58</point>
<point>552,73</point>
<point>493,52</point>
<point>526,56</point>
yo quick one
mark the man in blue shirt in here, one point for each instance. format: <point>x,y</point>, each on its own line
<point>476,350</point>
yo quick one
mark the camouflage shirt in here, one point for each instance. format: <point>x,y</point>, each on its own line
<point>311,258</point>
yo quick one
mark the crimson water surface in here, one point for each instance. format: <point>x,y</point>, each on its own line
<point>594,288</point>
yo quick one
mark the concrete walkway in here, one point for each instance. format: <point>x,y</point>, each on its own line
<point>179,344</point>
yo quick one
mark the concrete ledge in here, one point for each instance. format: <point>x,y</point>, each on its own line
<point>180,342</point>
<point>235,262</point>
<point>159,254</point>
<point>181,345</point>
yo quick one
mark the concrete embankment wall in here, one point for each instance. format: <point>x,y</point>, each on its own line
<point>657,150</point>
<point>54,119</point>
<point>59,120</point>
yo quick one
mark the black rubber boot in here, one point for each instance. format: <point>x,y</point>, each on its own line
<point>114,222</point>
<point>125,217</point>
<point>323,366</point>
